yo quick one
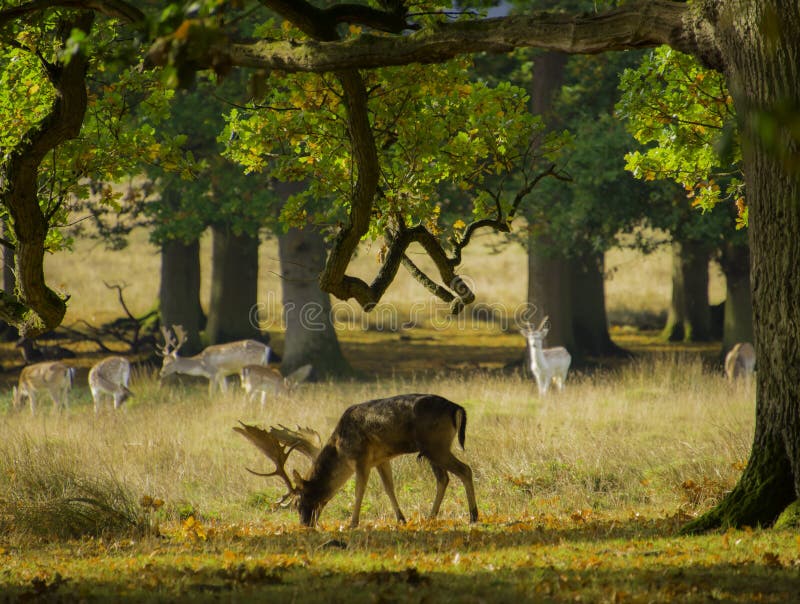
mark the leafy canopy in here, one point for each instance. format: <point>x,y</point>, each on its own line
<point>685,115</point>
<point>433,126</point>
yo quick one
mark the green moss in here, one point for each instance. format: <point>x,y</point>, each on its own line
<point>790,517</point>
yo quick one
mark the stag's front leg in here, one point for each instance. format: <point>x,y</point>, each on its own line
<point>362,475</point>
<point>385,472</point>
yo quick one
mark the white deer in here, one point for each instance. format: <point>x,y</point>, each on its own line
<point>215,363</point>
<point>110,376</point>
<point>547,364</point>
<point>257,379</point>
<point>740,361</point>
<point>53,377</point>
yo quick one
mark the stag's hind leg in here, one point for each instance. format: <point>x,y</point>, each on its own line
<point>442,480</point>
<point>385,472</point>
<point>454,465</point>
<point>443,462</point>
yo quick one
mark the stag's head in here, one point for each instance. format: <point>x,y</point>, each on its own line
<point>169,351</point>
<point>277,444</point>
<point>536,336</point>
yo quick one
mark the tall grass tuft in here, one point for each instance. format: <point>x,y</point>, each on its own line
<point>51,495</point>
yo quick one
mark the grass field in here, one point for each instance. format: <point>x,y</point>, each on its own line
<point>581,494</point>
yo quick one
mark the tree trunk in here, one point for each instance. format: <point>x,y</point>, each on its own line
<point>689,317</point>
<point>179,294</point>
<point>310,334</point>
<point>8,332</point>
<point>589,319</point>
<point>761,65</point>
<point>550,294</point>
<point>234,287</point>
<point>548,270</point>
<point>738,319</point>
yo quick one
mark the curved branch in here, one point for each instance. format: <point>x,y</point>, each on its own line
<point>634,25</point>
<point>39,308</point>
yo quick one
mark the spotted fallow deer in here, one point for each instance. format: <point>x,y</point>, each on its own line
<point>369,435</point>
<point>548,365</point>
<point>215,363</point>
<point>264,381</point>
<point>740,361</point>
<point>111,377</point>
<point>53,377</point>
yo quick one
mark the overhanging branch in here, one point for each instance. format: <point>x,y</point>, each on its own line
<point>633,25</point>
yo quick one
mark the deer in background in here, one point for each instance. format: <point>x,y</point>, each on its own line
<point>54,377</point>
<point>369,435</point>
<point>215,363</point>
<point>740,361</point>
<point>547,364</point>
<point>110,376</point>
<point>257,379</point>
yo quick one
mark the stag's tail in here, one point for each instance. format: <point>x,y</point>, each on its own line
<point>460,422</point>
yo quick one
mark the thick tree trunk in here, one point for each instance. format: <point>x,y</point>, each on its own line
<point>234,287</point>
<point>179,294</point>
<point>589,319</point>
<point>549,277</point>
<point>550,294</point>
<point>738,320</point>
<point>310,334</point>
<point>761,70</point>
<point>689,317</point>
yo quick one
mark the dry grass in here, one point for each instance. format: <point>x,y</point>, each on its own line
<point>621,442</point>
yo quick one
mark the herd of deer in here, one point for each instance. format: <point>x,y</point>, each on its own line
<point>368,435</point>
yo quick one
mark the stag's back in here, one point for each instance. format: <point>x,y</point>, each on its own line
<point>400,424</point>
<point>50,375</point>
<point>233,356</point>
<point>112,374</point>
<point>53,377</point>
<point>740,361</point>
<point>257,378</point>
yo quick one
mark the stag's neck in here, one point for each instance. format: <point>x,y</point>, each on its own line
<point>190,366</point>
<point>538,359</point>
<point>329,473</point>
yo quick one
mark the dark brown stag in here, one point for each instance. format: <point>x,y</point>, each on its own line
<point>369,435</point>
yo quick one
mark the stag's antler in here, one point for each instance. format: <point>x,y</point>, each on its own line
<point>277,444</point>
<point>305,440</point>
<point>172,343</point>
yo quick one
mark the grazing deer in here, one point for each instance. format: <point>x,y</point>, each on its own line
<point>51,376</point>
<point>215,362</point>
<point>257,379</point>
<point>369,435</point>
<point>110,376</point>
<point>547,364</point>
<point>740,361</point>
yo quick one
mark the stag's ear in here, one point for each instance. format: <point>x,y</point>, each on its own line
<point>299,481</point>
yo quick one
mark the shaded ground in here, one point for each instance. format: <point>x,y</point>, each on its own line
<point>421,350</point>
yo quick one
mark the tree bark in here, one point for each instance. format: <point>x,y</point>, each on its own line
<point>310,334</point>
<point>589,318</point>
<point>550,294</point>
<point>761,65</point>
<point>8,282</point>
<point>689,317</point>
<point>234,287</point>
<point>179,293</point>
<point>38,308</point>
<point>549,275</point>
<point>738,318</point>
